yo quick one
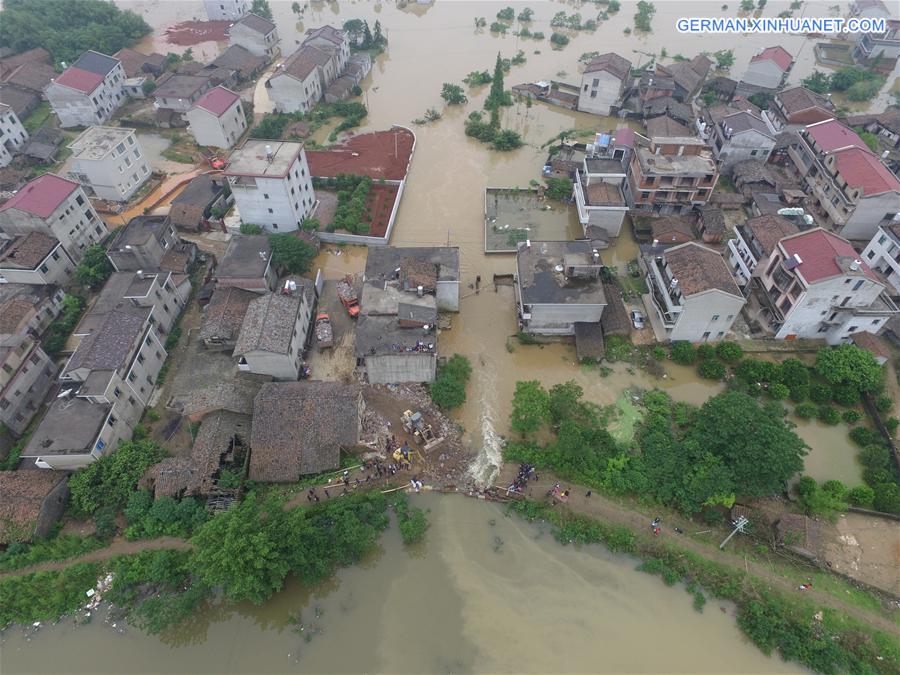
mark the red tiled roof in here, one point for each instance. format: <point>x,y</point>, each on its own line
<point>831,135</point>
<point>861,169</point>
<point>624,137</point>
<point>819,251</point>
<point>217,100</point>
<point>82,80</point>
<point>780,56</point>
<point>42,195</point>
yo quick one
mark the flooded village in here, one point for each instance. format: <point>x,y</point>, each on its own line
<point>285,285</point>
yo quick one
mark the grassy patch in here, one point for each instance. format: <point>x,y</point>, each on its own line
<point>59,548</point>
<point>627,416</point>
<point>37,118</point>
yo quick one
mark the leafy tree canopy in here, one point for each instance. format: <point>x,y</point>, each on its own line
<point>291,254</point>
<point>849,365</point>
<point>531,406</point>
<point>68,28</point>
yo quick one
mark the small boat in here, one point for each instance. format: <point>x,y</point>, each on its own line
<point>324,331</point>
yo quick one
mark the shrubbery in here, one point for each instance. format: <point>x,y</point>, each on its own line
<point>683,353</point>
<point>730,352</point>
<point>449,387</point>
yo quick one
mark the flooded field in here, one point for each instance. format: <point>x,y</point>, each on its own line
<point>483,594</point>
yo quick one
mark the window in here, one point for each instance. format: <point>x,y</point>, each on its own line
<point>729,317</point>
<point>140,358</point>
<point>720,334</point>
<point>853,329</point>
<point>870,255</point>
<point>43,269</point>
<point>715,317</point>
<point>131,140</point>
<point>111,420</point>
<point>822,329</point>
<point>265,196</point>
<point>131,400</point>
<point>4,404</point>
<point>275,225</point>
<point>271,211</point>
<point>117,392</point>
<point>876,322</point>
<point>847,281</point>
<point>706,336</point>
<point>79,200</point>
<point>858,284</point>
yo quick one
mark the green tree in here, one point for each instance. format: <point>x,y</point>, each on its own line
<point>683,352</point>
<point>94,268</point>
<point>506,14</point>
<point>818,82</point>
<point>378,38</point>
<point>730,352</point>
<point>530,407</point>
<point>724,59</point>
<point>368,41</point>
<point>244,551</point>
<point>291,254</point>
<point>645,12</point>
<point>111,479</point>
<point>453,94</point>
<point>497,95</point>
<point>261,8</point>
<point>758,447</point>
<point>849,365</point>
<point>559,39</point>
<point>526,14</point>
<point>449,387</point>
<point>712,369</point>
<point>355,29</point>
<point>67,28</point>
<point>251,228</point>
<point>559,189</point>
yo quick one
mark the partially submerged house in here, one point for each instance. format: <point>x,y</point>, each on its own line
<point>31,502</point>
<point>256,34</point>
<point>299,428</point>
<point>692,294</point>
<point>396,337</point>
<point>769,69</point>
<point>558,286</point>
<point>599,189</point>
<point>604,83</point>
<point>737,135</point>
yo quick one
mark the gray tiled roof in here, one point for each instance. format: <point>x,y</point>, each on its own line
<point>268,324</point>
<point>108,347</point>
<point>256,22</point>
<point>95,62</point>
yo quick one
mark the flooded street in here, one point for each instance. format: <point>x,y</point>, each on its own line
<point>484,593</point>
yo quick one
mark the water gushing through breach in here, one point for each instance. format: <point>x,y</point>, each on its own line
<point>486,465</point>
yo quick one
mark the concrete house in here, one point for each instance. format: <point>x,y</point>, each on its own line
<point>603,84</point>
<point>797,107</point>
<point>256,34</point>
<point>692,294</point>
<point>56,207</point>
<point>849,188</point>
<point>34,258</point>
<point>298,83</point>
<point>109,163</point>
<point>226,10</point>
<point>135,64</point>
<point>217,118</point>
<point>886,44</point>
<point>26,372</point>
<point>141,244</point>
<point>25,308</point>
<point>558,286</point>
<point>331,38</point>
<point>31,502</point>
<point>180,92</point>
<point>154,290</point>
<point>13,136</point>
<point>243,63</point>
<point>403,290</point>
<point>87,92</point>
<point>105,386</point>
<point>274,331</point>
<point>883,254</point>
<point>224,317</point>
<point>753,244</point>
<point>299,428</point>
<point>737,135</point>
<point>671,175</point>
<point>599,191</point>
<point>247,264</point>
<point>769,69</point>
<point>196,202</point>
<point>815,286</point>
<point>271,184</point>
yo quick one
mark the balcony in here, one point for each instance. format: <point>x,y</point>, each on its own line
<point>665,297</point>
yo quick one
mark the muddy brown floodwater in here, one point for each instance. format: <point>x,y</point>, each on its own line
<point>484,593</point>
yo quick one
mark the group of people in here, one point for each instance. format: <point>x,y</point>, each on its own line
<point>526,473</point>
<point>415,483</point>
<point>559,493</point>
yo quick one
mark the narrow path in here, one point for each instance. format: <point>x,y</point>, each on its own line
<point>610,511</point>
<point>118,546</point>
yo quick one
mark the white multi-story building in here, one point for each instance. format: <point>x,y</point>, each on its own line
<point>56,207</point>
<point>883,253</point>
<point>769,69</point>
<point>12,134</point>
<point>226,10</point>
<point>271,184</point>
<point>816,286</point>
<point>104,389</point>
<point>753,242</point>
<point>603,84</point>
<point>330,37</point>
<point>849,187</point>
<point>692,294</point>
<point>736,135</point>
<point>599,193</point>
<point>34,258</point>
<point>299,83</point>
<point>217,119</point>
<point>109,162</point>
<point>256,34</point>
<point>88,91</point>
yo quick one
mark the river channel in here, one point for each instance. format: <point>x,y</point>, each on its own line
<point>484,593</point>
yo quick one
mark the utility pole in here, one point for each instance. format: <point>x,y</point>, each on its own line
<point>739,526</point>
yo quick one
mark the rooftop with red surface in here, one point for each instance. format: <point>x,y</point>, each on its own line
<point>779,55</point>
<point>41,196</point>
<point>217,100</point>
<point>861,169</point>
<point>82,80</point>
<point>380,154</point>
<point>831,135</point>
<point>819,250</point>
